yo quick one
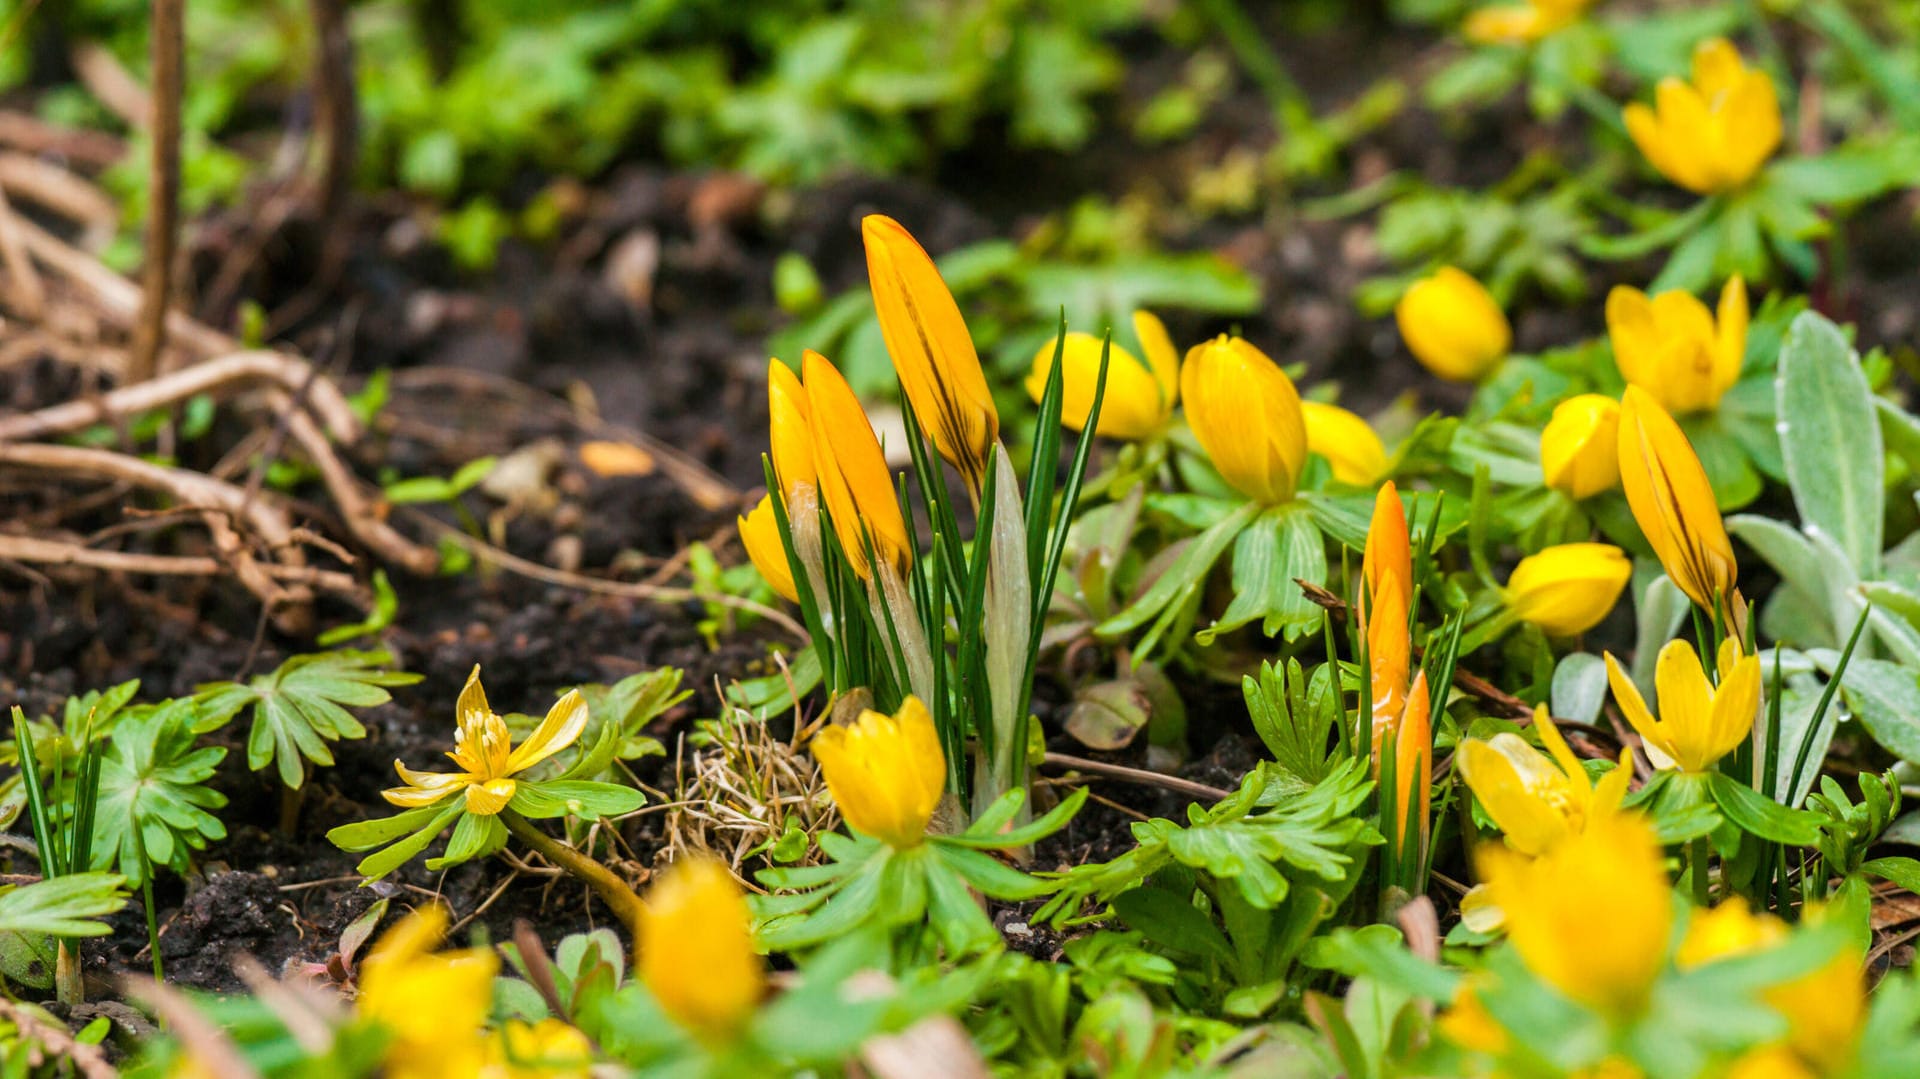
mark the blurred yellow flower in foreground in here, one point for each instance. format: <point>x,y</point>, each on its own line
<point>1519,24</point>
<point>1824,1010</point>
<point>1673,503</point>
<point>886,773</point>
<point>1699,722</point>
<point>760,535</point>
<point>1357,455</point>
<point>1453,326</point>
<point>431,1003</point>
<point>1713,133</point>
<point>1139,396</point>
<point>1567,589</point>
<point>1674,348</point>
<point>1538,799</point>
<point>482,747</point>
<point>696,949</point>
<point>548,1049</point>
<point>1246,415</point>
<point>1580,446</point>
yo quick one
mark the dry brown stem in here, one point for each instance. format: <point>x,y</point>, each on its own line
<point>163,189</point>
<point>238,369</point>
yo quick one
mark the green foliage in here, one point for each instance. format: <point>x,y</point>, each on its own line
<point>155,807</point>
<point>300,707</point>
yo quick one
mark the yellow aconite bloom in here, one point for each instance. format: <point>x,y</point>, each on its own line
<point>789,430</point>
<point>1139,396</point>
<point>482,747</point>
<point>696,949</point>
<point>1246,414</point>
<point>1537,799</point>
<point>1580,446</point>
<point>1671,499</point>
<point>1567,589</point>
<point>1453,326</point>
<point>1591,916</point>
<point>548,1049</point>
<point>931,348</point>
<point>432,1003</point>
<point>1699,722</point>
<point>760,535</point>
<point>1467,1023</point>
<point>1772,1062</point>
<point>886,773</point>
<point>1357,455</point>
<point>1712,134</point>
<point>1824,1009</point>
<point>1519,24</point>
<point>1674,348</point>
<point>855,483</point>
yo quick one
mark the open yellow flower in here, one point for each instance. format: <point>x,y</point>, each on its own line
<point>1580,446</point>
<point>1824,1009</point>
<point>931,348</point>
<point>696,949</point>
<point>760,535</point>
<point>1139,397</point>
<point>1591,916</point>
<point>1567,589</point>
<point>1246,415</point>
<point>1674,348</point>
<point>1537,799</point>
<point>1453,326</point>
<point>886,772</point>
<point>1523,23</point>
<point>1357,455</point>
<point>431,1003</point>
<point>1713,133</point>
<point>789,431</point>
<point>1667,489</point>
<point>855,483</point>
<point>1699,722</point>
<point>482,747</point>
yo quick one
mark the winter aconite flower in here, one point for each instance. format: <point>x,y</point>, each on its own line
<point>1139,395</point>
<point>1453,326</point>
<point>1674,348</point>
<point>1246,415</point>
<point>1538,800</point>
<point>696,949</point>
<point>1522,23</point>
<point>931,348</point>
<point>1355,453</point>
<point>855,484</point>
<point>760,535</point>
<point>430,1003</point>
<point>1713,133</point>
<point>1700,722</point>
<point>1567,589</point>
<point>886,772</point>
<point>1580,447</point>
<point>1671,499</point>
<point>482,747</point>
<point>1824,1009</point>
<point>548,1049</point>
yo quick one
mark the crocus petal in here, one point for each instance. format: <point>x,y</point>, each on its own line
<point>855,483</point>
<point>789,430</point>
<point>760,535</point>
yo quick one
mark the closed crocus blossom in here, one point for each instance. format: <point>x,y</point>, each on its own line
<point>1453,326</point>
<point>855,484</point>
<point>886,772</point>
<point>1699,722</point>
<point>1591,916</point>
<point>1713,133</point>
<point>1386,581</point>
<point>482,747</point>
<point>1567,589</point>
<point>1413,767</point>
<point>1520,24</point>
<point>1139,396</point>
<point>1245,413</point>
<point>760,535</point>
<point>1824,1009</point>
<point>405,972</point>
<point>789,431</point>
<point>1580,447</point>
<point>696,949</point>
<point>1674,348</point>
<point>931,348</point>
<point>1537,799</point>
<point>1673,503</point>
<point>1356,454</point>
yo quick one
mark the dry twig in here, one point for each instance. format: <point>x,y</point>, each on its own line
<point>163,189</point>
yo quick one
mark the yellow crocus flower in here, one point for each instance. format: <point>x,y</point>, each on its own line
<point>886,772</point>
<point>1699,722</point>
<point>1347,442</point>
<point>931,348</point>
<point>1567,589</point>
<point>1386,582</point>
<point>696,949</point>
<point>1413,766</point>
<point>1674,348</point>
<point>1521,24</point>
<point>760,535</point>
<point>1824,1009</point>
<point>1139,397</point>
<point>1713,133</point>
<point>789,431</point>
<point>431,1003</point>
<point>1245,413</point>
<point>1580,446</point>
<point>1591,916</point>
<point>482,747</point>
<point>1667,489</point>
<point>548,1049</point>
<point>1453,326</point>
<point>1538,800</point>
<point>855,483</point>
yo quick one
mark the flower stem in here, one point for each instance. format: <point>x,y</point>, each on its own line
<point>612,890</point>
<point>1697,862</point>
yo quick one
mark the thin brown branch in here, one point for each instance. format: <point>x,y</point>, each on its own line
<point>163,189</point>
<point>362,517</point>
<point>47,552</point>
<point>237,369</point>
<point>119,298</point>
<point>338,122</point>
<point>1134,775</point>
<point>32,135</point>
<point>24,288</point>
<point>56,190</point>
<point>111,84</point>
